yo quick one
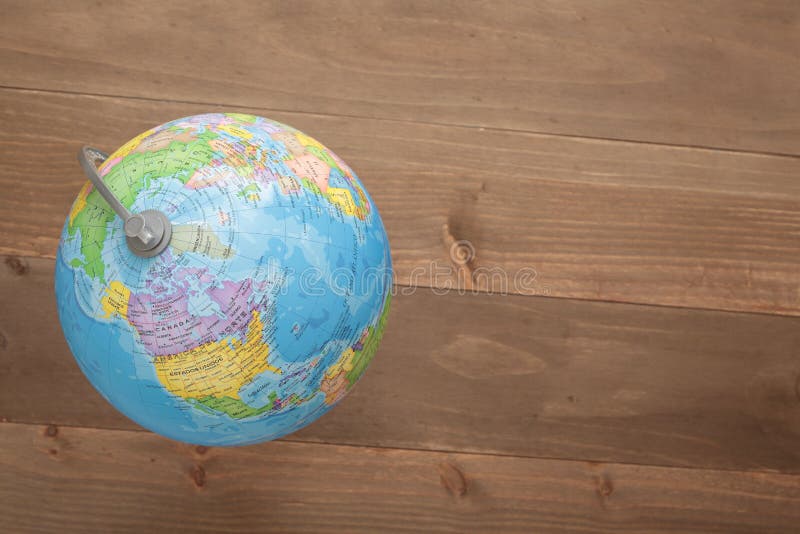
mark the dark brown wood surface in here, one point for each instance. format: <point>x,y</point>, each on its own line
<point>701,73</point>
<point>638,160</point>
<point>505,375</point>
<point>583,218</point>
<point>137,482</point>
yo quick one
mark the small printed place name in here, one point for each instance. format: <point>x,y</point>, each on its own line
<point>196,369</point>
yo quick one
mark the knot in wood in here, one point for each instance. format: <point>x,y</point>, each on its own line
<point>17,265</point>
<point>452,479</point>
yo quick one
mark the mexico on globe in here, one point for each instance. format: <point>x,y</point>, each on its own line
<point>222,279</point>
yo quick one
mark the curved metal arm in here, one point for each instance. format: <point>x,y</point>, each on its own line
<point>148,232</point>
<point>87,157</point>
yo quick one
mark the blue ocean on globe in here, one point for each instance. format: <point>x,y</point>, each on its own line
<point>265,309</point>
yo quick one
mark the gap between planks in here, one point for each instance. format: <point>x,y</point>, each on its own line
<point>705,74</point>
<point>596,220</point>
<point>362,488</point>
<point>542,133</point>
<point>549,378</point>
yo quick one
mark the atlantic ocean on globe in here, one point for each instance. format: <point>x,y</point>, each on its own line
<point>266,306</point>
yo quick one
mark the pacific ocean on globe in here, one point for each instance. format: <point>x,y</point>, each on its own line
<point>268,303</point>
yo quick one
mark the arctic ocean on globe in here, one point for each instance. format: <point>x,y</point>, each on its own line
<point>262,305</point>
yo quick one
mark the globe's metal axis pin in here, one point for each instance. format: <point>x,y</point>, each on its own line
<point>147,233</point>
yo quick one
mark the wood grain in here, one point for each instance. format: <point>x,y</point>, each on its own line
<point>509,375</point>
<point>84,480</point>
<point>707,73</point>
<point>580,218</point>
<point>629,151</point>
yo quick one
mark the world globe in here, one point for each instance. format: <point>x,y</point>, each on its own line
<point>264,307</point>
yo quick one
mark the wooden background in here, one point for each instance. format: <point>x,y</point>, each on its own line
<point>643,158</point>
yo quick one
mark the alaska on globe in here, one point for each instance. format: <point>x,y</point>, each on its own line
<point>222,279</point>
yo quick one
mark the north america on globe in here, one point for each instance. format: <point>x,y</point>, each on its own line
<point>267,305</point>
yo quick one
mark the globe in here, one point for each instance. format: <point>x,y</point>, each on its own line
<point>268,303</point>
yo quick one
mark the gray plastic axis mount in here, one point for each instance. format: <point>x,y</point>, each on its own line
<point>148,232</point>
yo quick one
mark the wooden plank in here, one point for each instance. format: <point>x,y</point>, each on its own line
<point>86,480</point>
<point>706,74</point>
<point>510,375</point>
<point>585,219</point>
